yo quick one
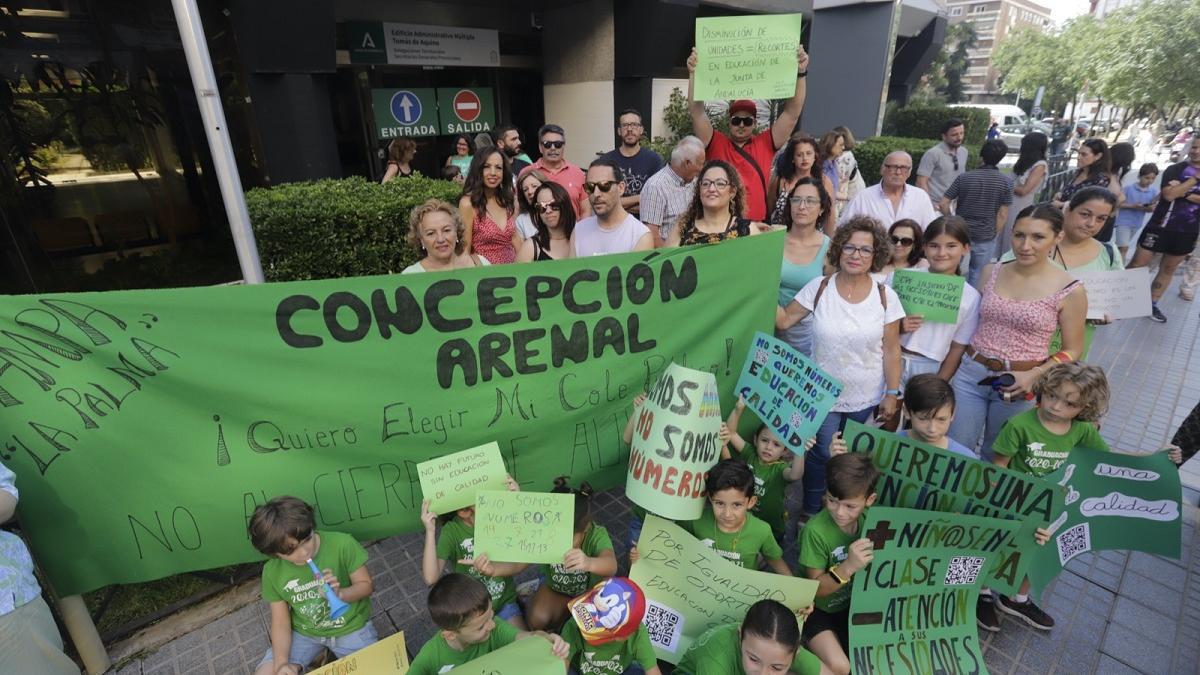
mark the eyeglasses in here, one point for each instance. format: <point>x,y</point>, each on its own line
<point>547,207</point>
<point>862,251</point>
<point>898,167</point>
<point>719,183</point>
<point>741,121</point>
<point>631,125</point>
<point>810,202</point>
<point>903,241</point>
<point>553,144</point>
<point>604,185</point>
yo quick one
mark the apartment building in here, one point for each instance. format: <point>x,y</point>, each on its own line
<point>993,20</point>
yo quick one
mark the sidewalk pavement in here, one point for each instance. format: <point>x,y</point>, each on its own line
<point>1115,612</point>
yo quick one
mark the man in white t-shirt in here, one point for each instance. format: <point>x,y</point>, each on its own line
<point>611,229</point>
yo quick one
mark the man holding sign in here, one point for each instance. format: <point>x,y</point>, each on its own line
<point>750,153</point>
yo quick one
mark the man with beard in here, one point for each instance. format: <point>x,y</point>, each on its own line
<point>612,229</point>
<point>944,162</point>
<point>508,139</point>
<point>636,162</point>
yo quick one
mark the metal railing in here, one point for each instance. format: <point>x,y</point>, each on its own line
<point>1058,174</point>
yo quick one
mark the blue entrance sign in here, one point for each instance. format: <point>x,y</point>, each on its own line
<point>406,107</point>
<point>404,112</point>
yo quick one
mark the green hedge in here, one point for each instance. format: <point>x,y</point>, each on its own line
<point>922,121</point>
<point>338,228</point>
<point>870,154</point>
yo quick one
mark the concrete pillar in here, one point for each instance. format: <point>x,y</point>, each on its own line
<point>578,45</point>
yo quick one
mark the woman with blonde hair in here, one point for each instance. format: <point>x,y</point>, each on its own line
<point>435,230</point>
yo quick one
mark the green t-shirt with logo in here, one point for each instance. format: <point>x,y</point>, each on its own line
<point>437,656</point>
<point>822,545</point>
<point>769,487</point>
<point>1032,449</point>
<point>741,547</point>
<point>719,652</point>
<point>610,658</point>
<point>295,585</point>
<point>571,584</point>
<point>457,542</point>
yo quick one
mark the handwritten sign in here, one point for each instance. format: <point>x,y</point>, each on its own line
<point>787,390</point>
<point>690,587</point>
<point>529,656</point>
<point>935,297</point>
<point>913,608</point>
<point>746,57</point>
<point>451,482</point>
<point>675,443</point>
<point>920,476</point>
<point>386,657</point>
<point>532,527</point>
<point>1121,294</point>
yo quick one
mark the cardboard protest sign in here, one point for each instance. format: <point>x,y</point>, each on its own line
<point>450,482</point>
<point>787,390</point>
<point>935,297</point>
<point>920,476</point>
<point>1114,502</point>
<point>746,57</point>
<point>532,527</point>
<point>675,443</point>
<point>912,610</point>
<point>690,588</point>
<point>386,657</point>
<point>528,656</point>
<point>1119,294</point>
<point>195,405</point>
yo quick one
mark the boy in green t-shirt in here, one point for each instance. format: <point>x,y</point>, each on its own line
<point>728,527</point>
<point>832,552</point>
<point>606,635</point>
<point>461,607</point>
<point>301,623</point>
<point>773,469</point>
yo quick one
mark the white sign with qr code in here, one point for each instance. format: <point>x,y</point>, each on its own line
<point>664,625</point>
<point>1073,541</point>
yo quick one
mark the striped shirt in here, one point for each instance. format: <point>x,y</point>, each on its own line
<point>980,193</point>
<point>665,197</point>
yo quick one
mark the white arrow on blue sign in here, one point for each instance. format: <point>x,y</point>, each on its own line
<point>406,107</point>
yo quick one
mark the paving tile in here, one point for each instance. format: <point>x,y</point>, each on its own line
<point>1127,646</point>
<point>1151,593</point>
<point>1144,620</point>
<point>1110,666</point>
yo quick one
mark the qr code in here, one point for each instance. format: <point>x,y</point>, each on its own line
<point>664,624</point>
<point>1074,541</point>
<point>963,570</point>
<point>760,357</point>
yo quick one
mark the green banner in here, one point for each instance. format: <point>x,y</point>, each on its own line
<point>451,482</point>
<point>746,56</point>
<point>675,443</point>
<point>912,609</point>
<point>528,656</point>
<point>934,297</point>
<point>920,476</point>
<point>465,110</point>
<point>404,112</point>
<point>690,588</point>
<point>1114,502</point>
<point>524,527</point>
<point>145,426</point>
<point>787,391</point>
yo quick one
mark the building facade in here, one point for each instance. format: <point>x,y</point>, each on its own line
<point>993,20</point>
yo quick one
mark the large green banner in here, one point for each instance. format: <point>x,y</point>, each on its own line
<point>146,426</point>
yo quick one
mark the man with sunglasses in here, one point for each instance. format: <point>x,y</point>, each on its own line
<point>552,142</point>
<point>944,162</point>
<point>612,229</point>
<point>750,153</point>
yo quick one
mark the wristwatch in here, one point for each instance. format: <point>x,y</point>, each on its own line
<point>837,577</point>
<point>801,73</point>
<point>892,392</point>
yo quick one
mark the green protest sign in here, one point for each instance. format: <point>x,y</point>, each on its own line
<point>691,588</point>
<point>746,57</point>
<point>528,656</point>
<point>465,110</point>
<point>920,476</point>
<point>403,113</point>
<point>451,481</point>
<point>912,610</point>
<point>935,297</point>
<point>145,426</point>
<point>532,527</point>
<point>1114,502</point>
<point>787,391</point>
<point>675,443</point>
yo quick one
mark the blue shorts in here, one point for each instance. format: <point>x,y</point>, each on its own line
<point>305,648</point>
<point>509,611</point>
<point>635,530</point>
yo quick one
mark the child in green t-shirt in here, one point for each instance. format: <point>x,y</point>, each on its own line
<point>768,642</point>
<point>301,621</point>
<point>728,527</point>
<point>606,634</point>
<point>832,552</point>
<point>590,558</point>
<point>461,608</point>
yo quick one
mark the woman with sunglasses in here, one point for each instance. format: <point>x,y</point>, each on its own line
<point>554,219</point>
<point>800,159</point>
<point>907,246</point>
<point>488,208</point>
<point>804,251</point>
<point>527,186</point>
<point>856,338</point>
<point>716,211</point>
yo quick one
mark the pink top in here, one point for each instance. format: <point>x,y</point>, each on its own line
<point>1017,330</point>
<point>492,241</point>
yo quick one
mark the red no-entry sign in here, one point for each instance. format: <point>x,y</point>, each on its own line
<point>466,105</point>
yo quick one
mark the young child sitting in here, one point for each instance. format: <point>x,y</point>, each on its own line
<point>728,527</point>
<point>773,469</point>
<point>768,642</point>
<point>607,636</point>
<point>832,552</point>
<point>301,625</point>
<point>590,559</point>
<point>461,608</point>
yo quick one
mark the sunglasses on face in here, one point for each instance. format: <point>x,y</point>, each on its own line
<point>741,121</point>
<point>903,241</point>
<point>557,145</point>
<point>547,207</point>
<point>604,185</point>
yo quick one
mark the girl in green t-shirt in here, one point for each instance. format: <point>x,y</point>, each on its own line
<point>768,642</point>
<point>590,559</point>
<point>773,464</point>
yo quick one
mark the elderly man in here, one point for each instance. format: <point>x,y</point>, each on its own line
<point>612,229</point>
<point>893,198</point>
<point>668,193</point>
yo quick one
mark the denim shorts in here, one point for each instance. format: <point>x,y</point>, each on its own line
<point>305,648</point>
<point>509,611</point>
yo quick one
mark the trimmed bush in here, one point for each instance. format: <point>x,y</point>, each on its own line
<point>923,121</point>
<point>338,228</point>
<point>870,154</point>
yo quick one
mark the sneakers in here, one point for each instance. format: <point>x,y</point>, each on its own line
<point>985,613</point>
<point>1156,314</point>
<point>1026,611</point>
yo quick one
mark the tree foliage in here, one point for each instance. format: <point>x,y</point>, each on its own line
<point>944,81</point>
